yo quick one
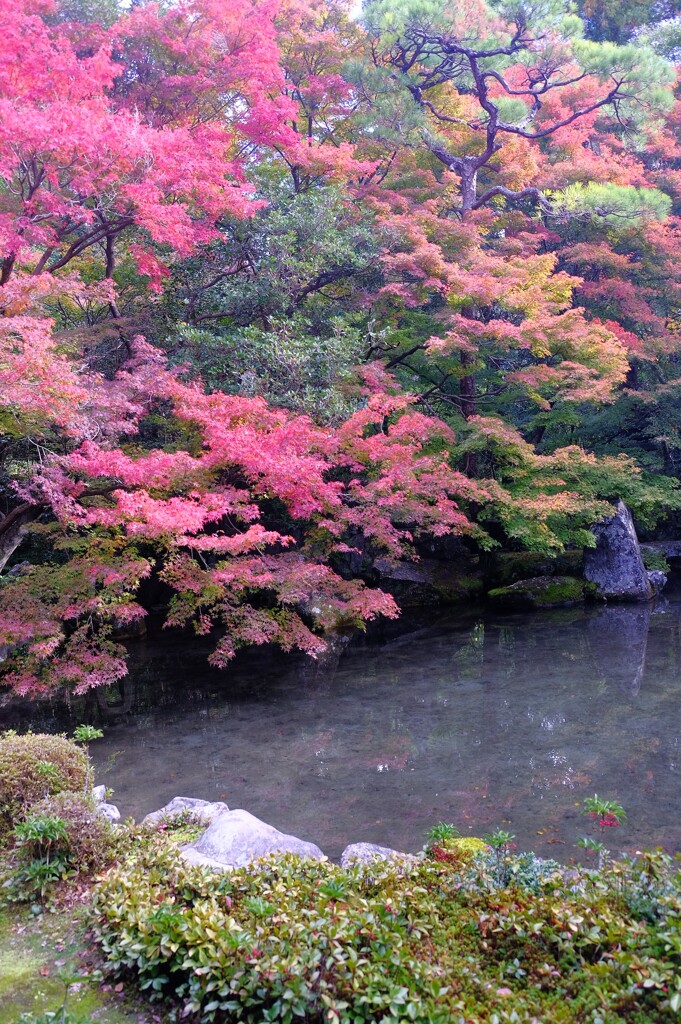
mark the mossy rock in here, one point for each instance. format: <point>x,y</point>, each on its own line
<point>428,582</point>
<point>539,592</point>
<point>458,589</point>
<point>517,566</point>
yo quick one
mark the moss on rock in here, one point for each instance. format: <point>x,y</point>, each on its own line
<point>539,592</point>
<point>504,568</point>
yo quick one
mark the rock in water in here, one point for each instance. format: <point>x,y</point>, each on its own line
<point>368,853</point>
<point>539,592</point>
<point>237,837</point>
<point>202,808</point>
<point>657,580</point>
<point>109,811</point>
<point>615,565</point>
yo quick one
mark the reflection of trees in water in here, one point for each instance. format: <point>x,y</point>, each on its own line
<point>509,717</point>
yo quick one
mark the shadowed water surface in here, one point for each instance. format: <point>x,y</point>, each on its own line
<point>484,720</point>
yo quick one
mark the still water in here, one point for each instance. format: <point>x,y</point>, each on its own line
<point>483,719</point>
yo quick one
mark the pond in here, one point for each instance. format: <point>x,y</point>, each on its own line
<point>479,718</point>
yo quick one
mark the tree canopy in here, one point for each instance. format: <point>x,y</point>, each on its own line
<point>283,291</point>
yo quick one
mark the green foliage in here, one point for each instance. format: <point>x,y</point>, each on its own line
<point>442,833</point>
<point>664,38</point>
<point>619,206</point>
<point>183,826</point>
<point>86,733</point>
<point>539,592</point>
<point>40,842</point>
<point>654,561</point>
<point>551,501</point>
<point>61,1016</point>
<point>596,806</point>
<point>287,364</point>
<point>39,834</point>
<point>300,254</point>
<point>89,839</point>
<point>290,939</point>
<point>616,19</point>
<point>63,835</point>
<point>101,12</point>
<point>33,767</point>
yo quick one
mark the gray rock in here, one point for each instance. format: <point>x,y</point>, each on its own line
<point>237,838</point>
<point>657,580</point>
<point>109,811</point>
<point>615,565</point>
<point>203,808</point>
<point>99,794</point>
<point>368,853</point>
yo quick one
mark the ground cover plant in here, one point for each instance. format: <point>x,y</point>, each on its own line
<point>288,940</point>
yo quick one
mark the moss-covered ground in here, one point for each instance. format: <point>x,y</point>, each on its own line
<point>41,954</point>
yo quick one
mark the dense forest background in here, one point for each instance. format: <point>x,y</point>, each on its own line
<point>284,289</point>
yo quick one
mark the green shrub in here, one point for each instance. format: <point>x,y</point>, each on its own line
<point>61,836</point>
<point>41,859</point>
<point>32,767</point>
<point>90,839</point>
<point>288,940</point>
<point>655,561</point>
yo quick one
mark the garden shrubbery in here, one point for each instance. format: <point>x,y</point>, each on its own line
<point>61,836</point>
<point>468,932</point>
<point>288,940</point>
<point>32,767</point>
<point>89,836</point>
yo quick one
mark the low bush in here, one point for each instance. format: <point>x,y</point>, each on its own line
<point>289,940</point>
<point>90,838</point>
<point>32,767</point>
<point>60,837</point>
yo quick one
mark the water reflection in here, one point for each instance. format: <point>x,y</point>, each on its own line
<point>482,720</point>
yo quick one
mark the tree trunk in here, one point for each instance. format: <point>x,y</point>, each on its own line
<point>13,529</point>
<point>467,391</point>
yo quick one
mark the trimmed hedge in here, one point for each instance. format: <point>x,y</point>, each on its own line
<point>32,767</point>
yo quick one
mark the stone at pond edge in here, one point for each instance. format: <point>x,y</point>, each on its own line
<point>615,565</point>
<point>657,580</point>
<point>366,853</point>
<point>109,811</point>
<point>237,838</point>
<point>428,582</point>
<point>203,808</point>
<point>539,592</point>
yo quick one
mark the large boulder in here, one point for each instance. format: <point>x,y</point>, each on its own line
<point>615,565</point>
<point>237,838</point>
<point>202,808</point>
